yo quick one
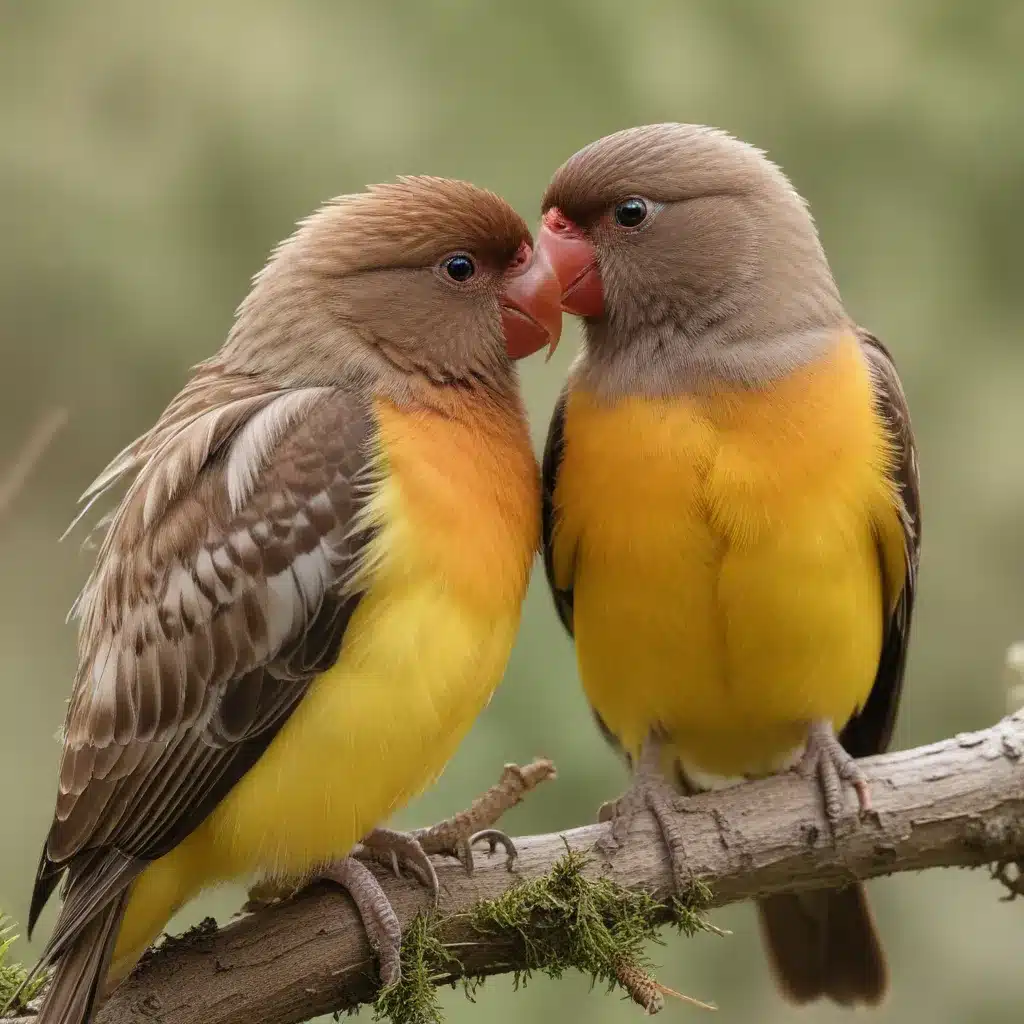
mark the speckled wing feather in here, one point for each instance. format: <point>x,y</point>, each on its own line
<point>870,730</point>
<point>220,589</point>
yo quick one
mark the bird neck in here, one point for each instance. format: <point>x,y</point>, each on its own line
<point>661,358</point>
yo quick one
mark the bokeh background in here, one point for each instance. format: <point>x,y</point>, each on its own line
<point>152,154</point>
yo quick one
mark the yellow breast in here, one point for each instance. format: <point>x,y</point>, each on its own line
<point>724,551</point>
<point>456,517</point>
<point>456,508</point>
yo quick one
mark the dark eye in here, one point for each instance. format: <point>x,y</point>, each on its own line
<point>459,268</point>
<point>630,212</point>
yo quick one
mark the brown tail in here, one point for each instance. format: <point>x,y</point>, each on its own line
<point>81,968</point>
<point>824,943</point>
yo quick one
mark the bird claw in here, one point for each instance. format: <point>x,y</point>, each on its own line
<point>457,835</point>
<point>650,792</point>
<point>494,838</point>
<point>825,759</point>
<point>395,849</point>
<point>375,911</point>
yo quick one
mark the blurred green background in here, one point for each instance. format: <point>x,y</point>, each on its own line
<point>152,154</point>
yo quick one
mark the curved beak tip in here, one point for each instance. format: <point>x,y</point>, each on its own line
<point>532,309</point>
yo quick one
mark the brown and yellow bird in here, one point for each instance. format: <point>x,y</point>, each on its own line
<point>731,512</point>
<point>312,584</point>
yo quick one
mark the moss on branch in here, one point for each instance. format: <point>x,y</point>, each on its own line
<point>559,922</point>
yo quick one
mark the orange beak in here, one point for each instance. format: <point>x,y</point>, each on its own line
<point>574,260</point>
<point>531,312</point>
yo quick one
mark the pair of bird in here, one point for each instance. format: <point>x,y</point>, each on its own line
<point>313,581</point>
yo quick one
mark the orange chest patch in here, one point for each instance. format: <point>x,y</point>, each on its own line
<point>469,496</point>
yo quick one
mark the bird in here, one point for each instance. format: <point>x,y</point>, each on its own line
<point>311,584</point>
<point>731,505</point>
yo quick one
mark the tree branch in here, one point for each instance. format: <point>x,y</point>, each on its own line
<point>955,803</point>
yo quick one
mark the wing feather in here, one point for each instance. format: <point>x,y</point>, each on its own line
<point>553,450</point>
<point>870,730</point>
<point>220,589</point>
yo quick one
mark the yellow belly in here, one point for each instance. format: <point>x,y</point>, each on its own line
<point>416,669</point>
<point>422,655</point>
<point>725,558</point>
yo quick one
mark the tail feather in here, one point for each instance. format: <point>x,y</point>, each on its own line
<point>71,995</point>
<point>824,944</point>
<point>48,876</point>
<point>82,942</point>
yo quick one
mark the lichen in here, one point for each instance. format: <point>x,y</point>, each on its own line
<point>13,975</point>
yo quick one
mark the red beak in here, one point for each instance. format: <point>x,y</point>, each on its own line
<point>531,312</point>
<point>574,260</point>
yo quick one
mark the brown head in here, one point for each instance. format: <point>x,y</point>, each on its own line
<point>425,280</point>
<point>690,257</point>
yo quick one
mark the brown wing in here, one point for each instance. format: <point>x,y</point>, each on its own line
<point>208,613</point>
<point>553,449</point>
<point>870,731</point>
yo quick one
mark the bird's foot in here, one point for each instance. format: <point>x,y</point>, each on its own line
<point>825,759</point>
<point>456,836</point>
<point>396,850</point>
<point>651,792</point>
<point>375,911</point>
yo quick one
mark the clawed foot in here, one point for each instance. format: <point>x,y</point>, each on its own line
<point>395,850</point>
<point>456,836</point>
<point>375,911</point>
<point>649,791</point>
<point>826,759</point>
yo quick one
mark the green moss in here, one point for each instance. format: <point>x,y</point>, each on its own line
<point>425,960</point>
<point>567,921</point>
<point>560,922</point>
<point>12,975</point>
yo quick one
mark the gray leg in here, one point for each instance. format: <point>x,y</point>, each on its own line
<point>649,791</point>
<point>826,759</point>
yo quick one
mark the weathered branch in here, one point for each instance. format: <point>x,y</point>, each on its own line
<point>955,803</point>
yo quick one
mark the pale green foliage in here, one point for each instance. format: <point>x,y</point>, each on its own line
<point>13,974</point>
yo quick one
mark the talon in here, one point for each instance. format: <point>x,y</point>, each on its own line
<point>863,795</point>
<point>825,757</point>
<point>454,836</point>
<point>392,848</point>
<point>376,913</point>
<point>464,855</point>
<point>652,792</point>
<point>495,838</point>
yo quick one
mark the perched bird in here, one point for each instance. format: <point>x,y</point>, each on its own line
<point>731,517</point>
<point>312,584</point>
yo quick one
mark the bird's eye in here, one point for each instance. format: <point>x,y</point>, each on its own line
<point>459,268</point>
<point>630,213</point>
